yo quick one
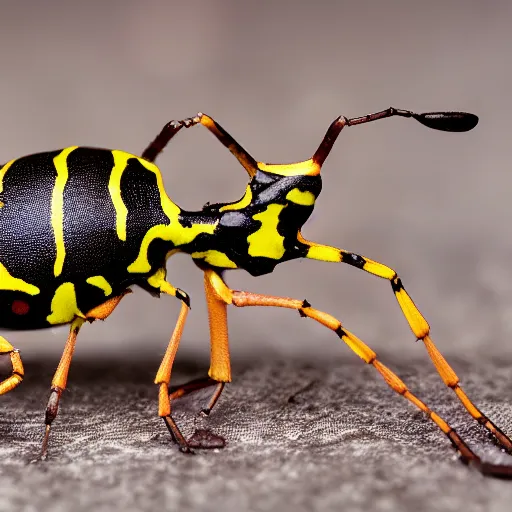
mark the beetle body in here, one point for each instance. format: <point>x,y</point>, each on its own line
<point>81,225</point>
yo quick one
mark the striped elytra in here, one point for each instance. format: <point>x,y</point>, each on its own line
<point>65,245</point>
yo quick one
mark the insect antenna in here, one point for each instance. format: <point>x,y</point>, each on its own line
<point>444,121</point>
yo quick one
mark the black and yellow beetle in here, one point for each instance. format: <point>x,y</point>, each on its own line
<point>80,226</point>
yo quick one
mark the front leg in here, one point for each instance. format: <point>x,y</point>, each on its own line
<point>415,319</point>
<point>218,375</point>
<point>200,439</point>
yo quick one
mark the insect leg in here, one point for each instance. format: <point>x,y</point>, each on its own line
<point>104,310</point>
<point>216,296</point>
<point>220,367</point>
<point>60,377</point>
<point>201,439</point>
<point>163,378</point>
<point>17,372</point>
<point>218,375</point>
<point>416,321</point>
<point>220,364</point>
<point>59,382</point>
<point>190,387</point>
<point>243,299</point>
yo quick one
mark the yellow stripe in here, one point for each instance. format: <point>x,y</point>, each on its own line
<point>173,232</point>
<point>8,282</point>
<point>178,235</point>
<point>61,166</point>
<point>114,187</point>
<point>303,198</point>
<point>417,323</point>
<point>378,269</point>
<point>170,209</point>
<point>158,278</point>
<point>64,307</point>
<point>219,286</point>
<point>306,168</point>
<point>100,282</point>
<point>3,171</point>
<point>245,201</point>
<point>214,258</point>
<point>324,253</point>
<point>267,241</point>
<point>358,346</point>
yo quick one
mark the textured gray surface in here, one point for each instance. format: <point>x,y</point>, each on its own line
<point>344,442</point>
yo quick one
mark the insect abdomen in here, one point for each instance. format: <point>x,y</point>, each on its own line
<point>71,223</point>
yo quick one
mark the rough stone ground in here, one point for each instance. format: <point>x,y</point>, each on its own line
<point>300,437</point>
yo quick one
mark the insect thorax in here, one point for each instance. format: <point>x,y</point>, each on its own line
<point>260,230</point>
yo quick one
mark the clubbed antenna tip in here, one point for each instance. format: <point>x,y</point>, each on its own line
<point>448,121</point>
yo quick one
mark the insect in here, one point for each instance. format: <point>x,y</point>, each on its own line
<point>81,226</point>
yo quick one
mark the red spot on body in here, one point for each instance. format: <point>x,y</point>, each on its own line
<point>20,307</point>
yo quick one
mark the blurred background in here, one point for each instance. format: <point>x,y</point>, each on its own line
<point>435,206</point>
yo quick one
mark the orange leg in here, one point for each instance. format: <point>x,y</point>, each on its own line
<point>59,382</point>
<point>220,365</point>
<point>244,299</point>
<point>104,310</point>
<point>163,378</point>
<point>416,321</point>
<point>218,375</point>
<point>8,384</point>
<point>201,439</point>
<point>60,377</point>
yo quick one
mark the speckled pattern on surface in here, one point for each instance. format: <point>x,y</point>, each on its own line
<point>343,442</point>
